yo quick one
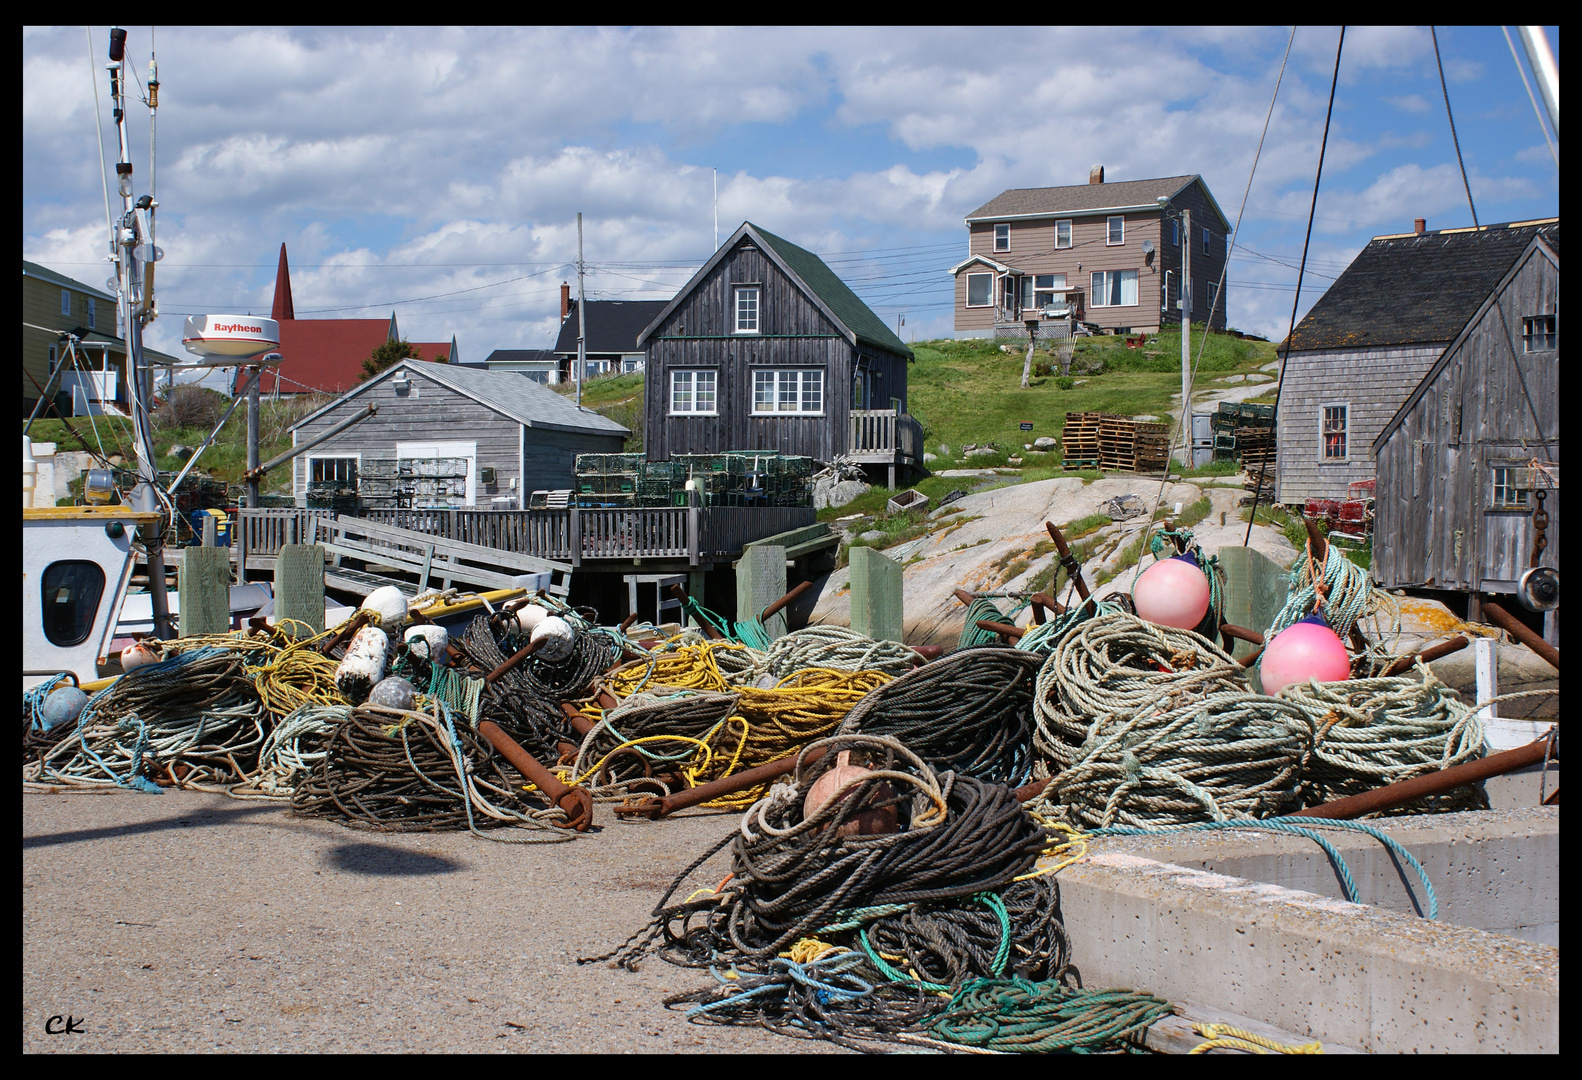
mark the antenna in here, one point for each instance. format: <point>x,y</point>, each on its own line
<point>716,209</point>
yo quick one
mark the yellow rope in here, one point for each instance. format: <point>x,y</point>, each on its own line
<point>1075,848</point>
<point>1226,1037</point>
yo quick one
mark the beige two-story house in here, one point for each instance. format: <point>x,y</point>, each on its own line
<point>1107,254</point>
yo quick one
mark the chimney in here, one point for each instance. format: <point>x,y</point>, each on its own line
<point>565,299</point>
<point>1419,225</point>
<point>1096,174</point>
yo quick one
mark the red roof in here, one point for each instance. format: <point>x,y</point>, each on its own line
<point>323,354</point>
<point>430,350</point>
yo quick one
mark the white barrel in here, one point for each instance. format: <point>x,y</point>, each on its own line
<point>529,616</point>
<point>427,642</point>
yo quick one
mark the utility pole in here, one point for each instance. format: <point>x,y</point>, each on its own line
<point>582,319</point>
<point>1186,338</point>
<point>1539,57</point>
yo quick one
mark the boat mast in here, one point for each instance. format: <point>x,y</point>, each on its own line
<point>135,308</point>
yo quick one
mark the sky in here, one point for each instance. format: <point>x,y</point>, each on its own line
<point>438,173</point>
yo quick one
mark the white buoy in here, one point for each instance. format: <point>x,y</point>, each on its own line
<point>558,638</point>
<point>364,665</point>
<point>389,603</point>
<point>427,642</point>
<point>528,616</point>
<point>138,655</point>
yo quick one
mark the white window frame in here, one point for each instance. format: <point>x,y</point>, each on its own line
<point>1504,482</point>
<point>1007,227</point>
<point>789,391</point>
<point>740,293</point>
<point>1066,222</point>
<point>693,381</point>
<point>988,303</point>
<point>65,302</point>
<point>1208,238</point>
<point>355,457</point>
<point>454,449</point>
<point>1109,230</point>
<point>1549,334</point>
<point>1324,418</point>
<point>1213,296</point>
<point>1031,290</point>
<point>1099,297</point>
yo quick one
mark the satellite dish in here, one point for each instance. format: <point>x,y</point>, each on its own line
<point>228,340</point>
<point>1540,589</point>
<point>1148,247</point>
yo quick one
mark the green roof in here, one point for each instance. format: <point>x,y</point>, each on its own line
<point>836,294</point>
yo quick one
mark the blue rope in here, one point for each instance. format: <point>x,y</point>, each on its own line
<point>829,977</point>
<point>1298,827</point>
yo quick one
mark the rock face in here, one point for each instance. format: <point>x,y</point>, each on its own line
<point>1010,523</point>
<point>827,493</point>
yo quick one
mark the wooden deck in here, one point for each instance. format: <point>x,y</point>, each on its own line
<point>694,537</point>
<point>885,437</point>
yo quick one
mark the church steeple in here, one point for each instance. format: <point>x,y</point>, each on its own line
<point>282,308</point>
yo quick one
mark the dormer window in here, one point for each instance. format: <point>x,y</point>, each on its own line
<point>747,309</point>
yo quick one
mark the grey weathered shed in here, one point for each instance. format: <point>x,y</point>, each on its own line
<point>1456,495</point>
<point>501,420</point>
<point>1370,339</point>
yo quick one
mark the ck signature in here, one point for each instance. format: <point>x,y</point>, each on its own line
<point>64,1025</point>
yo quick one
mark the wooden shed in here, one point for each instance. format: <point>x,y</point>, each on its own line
<point>1463,461</point>
<point>1371,338</point>
<point>767,349</point>
<point>515,435</point>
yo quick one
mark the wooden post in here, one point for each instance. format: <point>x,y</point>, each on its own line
<point>876,589</point>
<point>760,581</point>
<point>205,590</point>
<point>1255,591</point>
<point>299,585</point>
<point>695,580</point>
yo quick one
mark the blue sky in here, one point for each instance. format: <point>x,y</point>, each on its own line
<point>400,164</point>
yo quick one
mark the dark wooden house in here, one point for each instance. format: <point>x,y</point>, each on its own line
<point>767,349</point>
<point>1463,461</point>
<point>1370,339</point>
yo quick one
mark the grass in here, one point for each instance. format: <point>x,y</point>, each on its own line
<point>615,397</point>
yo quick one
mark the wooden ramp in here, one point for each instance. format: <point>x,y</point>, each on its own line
<point>424,556</point>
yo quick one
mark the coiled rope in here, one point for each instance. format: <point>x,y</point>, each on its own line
<point>1021,1016</point>
<point>837,647</point>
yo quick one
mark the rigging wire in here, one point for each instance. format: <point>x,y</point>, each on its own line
<point>1296,301</point>
<point>104,179</point>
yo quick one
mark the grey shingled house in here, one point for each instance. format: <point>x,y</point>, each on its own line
<point>1370,339</point>
<point>516,435</point>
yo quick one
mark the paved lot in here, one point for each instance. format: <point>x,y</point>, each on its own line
<point>196,922</point>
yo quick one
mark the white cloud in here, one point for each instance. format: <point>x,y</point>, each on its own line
<point>1412,103</point>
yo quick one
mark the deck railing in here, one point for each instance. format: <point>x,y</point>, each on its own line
<point>696,534</point>
<point>885,431</point>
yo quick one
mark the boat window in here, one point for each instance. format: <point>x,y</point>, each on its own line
<point>71,600</point>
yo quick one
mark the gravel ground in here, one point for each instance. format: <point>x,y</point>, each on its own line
<point>196,922</point>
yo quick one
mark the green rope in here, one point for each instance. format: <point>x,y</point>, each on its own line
<point>749,632</point>
<point>1002,953</point>
<point>983,608</point>
<point>1022,1016</point>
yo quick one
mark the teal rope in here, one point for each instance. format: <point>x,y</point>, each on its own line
<point>983,608</point>
<point>1298,827</point>
<point>33,700</point>
<point>1348,595</point>
<point>1044,637</point>
<point>1020,1015</point>
<point>749,632</point>
<point>1002,954</point>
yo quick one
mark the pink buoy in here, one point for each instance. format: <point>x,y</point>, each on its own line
<point>1304,651</point>
<point>138,655</point>
<point>865,822</point>
<point>1172,592</point>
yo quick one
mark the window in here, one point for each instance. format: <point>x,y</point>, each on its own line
<point>1062,234</point>
<point>1213,295</point>
<point>1175,233</point>
<point>537,376</point>
<point>1117,230</point>
<point>1510,487</point>
<point>91,324</point>
<point>71,592</point>
<point>65,301</point>
<point>1333,431</point>
<point>693,391</point>
<point>1538,333</point>
<point>1041,290</point>
<point>747,310</point>
<point>980,290</point>
<point>342,470</point>
<point>1206,236</point>
<point>1002,238</point>
<point>788,391</point>
<point>631,363</point>
<point>1114,288</point>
